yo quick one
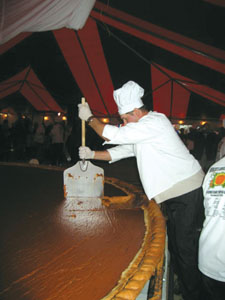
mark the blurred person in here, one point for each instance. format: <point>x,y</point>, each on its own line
<point>57,143</point>
<point>68,132</point>
<point>38,140</point>
<point>190,142</point>
<point>47,144</point>
<point>29,139</point>
<point>182,135</point>
<point>19,133</point>
<point>168,172</point>
<point>212,238</point>
<point>199,144</point>
<point>5,141</point>
<point>211,146</point>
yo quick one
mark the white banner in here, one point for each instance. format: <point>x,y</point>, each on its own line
<point>18,16</point>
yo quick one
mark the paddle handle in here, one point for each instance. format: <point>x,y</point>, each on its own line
<point>82,126</point>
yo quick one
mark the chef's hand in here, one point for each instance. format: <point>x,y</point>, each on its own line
<point>86,153</point>
<point>84,111</point>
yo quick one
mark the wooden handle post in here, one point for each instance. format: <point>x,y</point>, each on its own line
<point>82,126</point>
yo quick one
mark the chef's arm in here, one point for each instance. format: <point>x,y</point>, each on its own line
<point>102,155</point>
<point>115,153</point>
<point>112,154</point>
<point>98,127</point>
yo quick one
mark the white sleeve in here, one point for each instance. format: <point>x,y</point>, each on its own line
<point>131,133</point>
<point>120,152</point>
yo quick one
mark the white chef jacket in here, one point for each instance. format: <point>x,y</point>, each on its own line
<point>162,158</point>
<point>212,238</point>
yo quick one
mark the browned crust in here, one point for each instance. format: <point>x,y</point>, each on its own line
<point>134,197</point>
<point>149,259</point>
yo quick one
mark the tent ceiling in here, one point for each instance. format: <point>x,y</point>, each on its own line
<point>27,84</point>
<point>185,47</point>
<point>54,59</point>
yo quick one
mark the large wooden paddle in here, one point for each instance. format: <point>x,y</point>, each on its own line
<point>83,179</point>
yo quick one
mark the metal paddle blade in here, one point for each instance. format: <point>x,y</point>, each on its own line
<point>83,180</point>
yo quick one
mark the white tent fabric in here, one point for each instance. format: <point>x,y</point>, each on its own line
<point>18,16</point>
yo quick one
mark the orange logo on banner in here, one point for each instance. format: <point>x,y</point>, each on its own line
<point>219,179</point>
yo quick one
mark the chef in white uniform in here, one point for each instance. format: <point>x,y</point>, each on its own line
<point>212,239</point>
<point>167,171</point>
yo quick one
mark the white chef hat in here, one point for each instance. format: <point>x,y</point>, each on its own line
<point>128,97</point>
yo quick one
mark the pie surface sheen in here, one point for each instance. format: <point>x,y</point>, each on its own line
<point>55,248</point>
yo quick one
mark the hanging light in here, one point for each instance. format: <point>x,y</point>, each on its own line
<point>64,118</point>
<point>181,122</point>
<point>105,120</point>
<point>203,123</point>
<point>46,118</point>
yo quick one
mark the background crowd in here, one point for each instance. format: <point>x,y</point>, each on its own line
<point>54,143</point>
<point>57,143</point>
<point>204,144</point>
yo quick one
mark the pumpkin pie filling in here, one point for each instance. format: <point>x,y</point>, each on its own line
<point>54,248</point>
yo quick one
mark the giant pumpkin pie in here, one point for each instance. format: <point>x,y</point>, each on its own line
<point>54,248</point>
